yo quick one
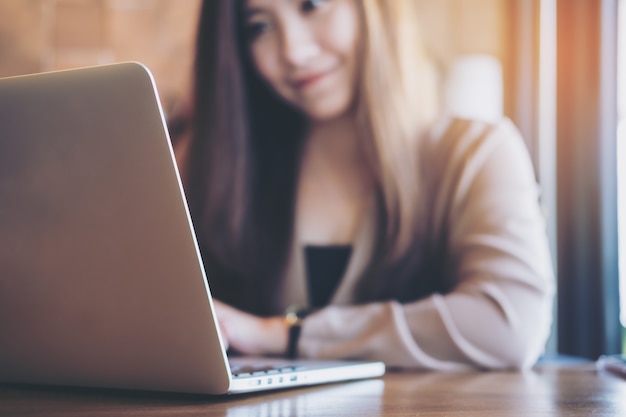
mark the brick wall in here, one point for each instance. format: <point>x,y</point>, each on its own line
<point>43,35</point>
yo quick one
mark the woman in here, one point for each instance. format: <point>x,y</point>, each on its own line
<point>319,177</point>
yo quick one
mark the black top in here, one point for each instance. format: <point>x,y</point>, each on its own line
<point>325,266</point>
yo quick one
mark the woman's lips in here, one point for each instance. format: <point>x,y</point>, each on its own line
<point>308,80</point>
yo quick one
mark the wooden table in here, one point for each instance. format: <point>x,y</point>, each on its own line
<point>547,391</point>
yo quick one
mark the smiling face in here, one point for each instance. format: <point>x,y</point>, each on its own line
<point>306,50</point>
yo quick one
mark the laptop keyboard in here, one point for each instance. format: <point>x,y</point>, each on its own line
<point>240,371</point>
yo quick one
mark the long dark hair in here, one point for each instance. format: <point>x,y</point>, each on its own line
<point>243,163</point>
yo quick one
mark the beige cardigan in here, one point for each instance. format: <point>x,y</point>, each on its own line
<point>499,313</point>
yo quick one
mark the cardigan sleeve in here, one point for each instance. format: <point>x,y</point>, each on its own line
<point>499,311</point>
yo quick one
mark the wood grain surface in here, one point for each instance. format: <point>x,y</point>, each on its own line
<point>548,391</point>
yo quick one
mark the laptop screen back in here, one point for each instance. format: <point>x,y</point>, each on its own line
<point>101,282</point>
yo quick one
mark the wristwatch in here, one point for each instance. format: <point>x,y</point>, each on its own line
<point>294,316</point>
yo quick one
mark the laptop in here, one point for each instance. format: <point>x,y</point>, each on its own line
<point>101,280</point>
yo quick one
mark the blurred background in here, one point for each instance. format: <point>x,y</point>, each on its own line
<point>44,35</point>
<point>552,66</point>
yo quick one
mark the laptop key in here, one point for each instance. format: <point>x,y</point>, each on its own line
<point>257,370</point>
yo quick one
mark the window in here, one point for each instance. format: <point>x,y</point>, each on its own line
<point>562,94</point>
<point>621,163</point>
<point>587,193</point>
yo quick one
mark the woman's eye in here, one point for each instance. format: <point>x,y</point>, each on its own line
<point>256,29</point>
<point>310,5</point>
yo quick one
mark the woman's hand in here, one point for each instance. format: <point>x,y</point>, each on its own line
<point>249,334</point>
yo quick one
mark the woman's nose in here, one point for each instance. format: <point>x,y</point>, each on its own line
<point>299,45</point>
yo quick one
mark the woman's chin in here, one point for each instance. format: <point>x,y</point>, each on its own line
<point>326,113</point>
